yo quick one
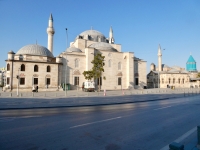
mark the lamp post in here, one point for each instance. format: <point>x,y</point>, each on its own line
<point>66,66</point>
<point>158,79</point>
<point>18,83</point>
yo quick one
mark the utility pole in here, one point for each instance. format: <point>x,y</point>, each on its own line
<point>66,66</point>
<point>18,83</point>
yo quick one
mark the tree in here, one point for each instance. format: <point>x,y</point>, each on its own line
<point>97,69</point>
<point>198,75</point>
<point>88,75</point>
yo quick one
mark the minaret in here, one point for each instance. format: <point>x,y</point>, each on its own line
<point>50,32</point>
<point>111,38</point>
<point>159,58</point>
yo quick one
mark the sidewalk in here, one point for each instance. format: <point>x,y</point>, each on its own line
<point>79,98</point>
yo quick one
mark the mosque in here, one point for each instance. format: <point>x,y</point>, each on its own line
<point>35,65</point>
<point>164,76</point>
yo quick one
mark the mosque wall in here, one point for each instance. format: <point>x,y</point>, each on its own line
<point>29,75</point>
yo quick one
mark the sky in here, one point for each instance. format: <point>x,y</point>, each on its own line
<point>138,25</point>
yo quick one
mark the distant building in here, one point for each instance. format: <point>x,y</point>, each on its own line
<point>164,76</point>
<point>191,65</point>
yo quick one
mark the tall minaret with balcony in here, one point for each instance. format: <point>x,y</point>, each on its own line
<point>111,38</point>
<point>159,58</point>
<point>50,32</point>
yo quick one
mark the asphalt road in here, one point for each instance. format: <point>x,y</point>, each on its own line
<point>135,126</point>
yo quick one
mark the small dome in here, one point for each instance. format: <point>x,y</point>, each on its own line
<point>103,46</point>
<point>11,52</point>
<point>35,49</point>
<point>73,49</point>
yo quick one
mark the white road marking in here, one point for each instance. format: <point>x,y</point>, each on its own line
<point>94,122</point>
<point>181,138</point>
<point>162,108</point>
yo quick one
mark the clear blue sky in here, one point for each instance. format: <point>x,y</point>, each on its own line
<point>138,25</point>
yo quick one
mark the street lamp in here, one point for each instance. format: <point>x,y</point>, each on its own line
<point>18,82</point>
<point>66,65</point>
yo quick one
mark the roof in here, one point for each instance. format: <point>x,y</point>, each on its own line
<point>34,49</point>
<point>11,52</point>
<point>103,46</point>
<point>73,49</point>
<point>191,59</point>
<point>173,71</point>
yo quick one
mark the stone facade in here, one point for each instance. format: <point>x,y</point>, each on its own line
<point>33,73</point>
<point>120,67</point>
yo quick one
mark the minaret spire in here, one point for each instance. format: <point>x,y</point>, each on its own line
<point>50,32</point>
<point>159,58</point>
<point>111,38</point>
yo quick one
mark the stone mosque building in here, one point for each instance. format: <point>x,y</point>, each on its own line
<point>35,65</point>
<point>164,76</point>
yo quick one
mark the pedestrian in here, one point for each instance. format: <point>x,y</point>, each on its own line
<point>36,88</point>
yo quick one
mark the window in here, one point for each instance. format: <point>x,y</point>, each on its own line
<point>35,81</point>
<point>8,67</point>
<point>22,67</point>
<point>173,80</point>
<point>119,81</point>
<point>162,81</point>
<point>109,63</point>
<point>36,68</point>
<point>48,81</point>
<point>119,66</point>
<point>183,81</point>
<point>48,69</point>
<point>100,81</point>
<point>179,81</point>
<point>8,80</point>
<point>76,80</point>
<point>169,80</point>
<point>136,81</point>
<point>76,63</point>
<point>22,81</point>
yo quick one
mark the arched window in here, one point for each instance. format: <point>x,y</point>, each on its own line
<point>179,81</point>
<point>109,63</point>
<point>22,67</point>
<point>8,67</point>
<point>36,68</point>
<point>183,81</point>
<point>169,80</point>
<point>76,63</point>
<point>119,66</point>
<point>173,80</point>
<point>48,69</point>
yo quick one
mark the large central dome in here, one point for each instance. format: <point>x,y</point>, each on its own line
<point>35,49</point>
<point>92,35</point>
